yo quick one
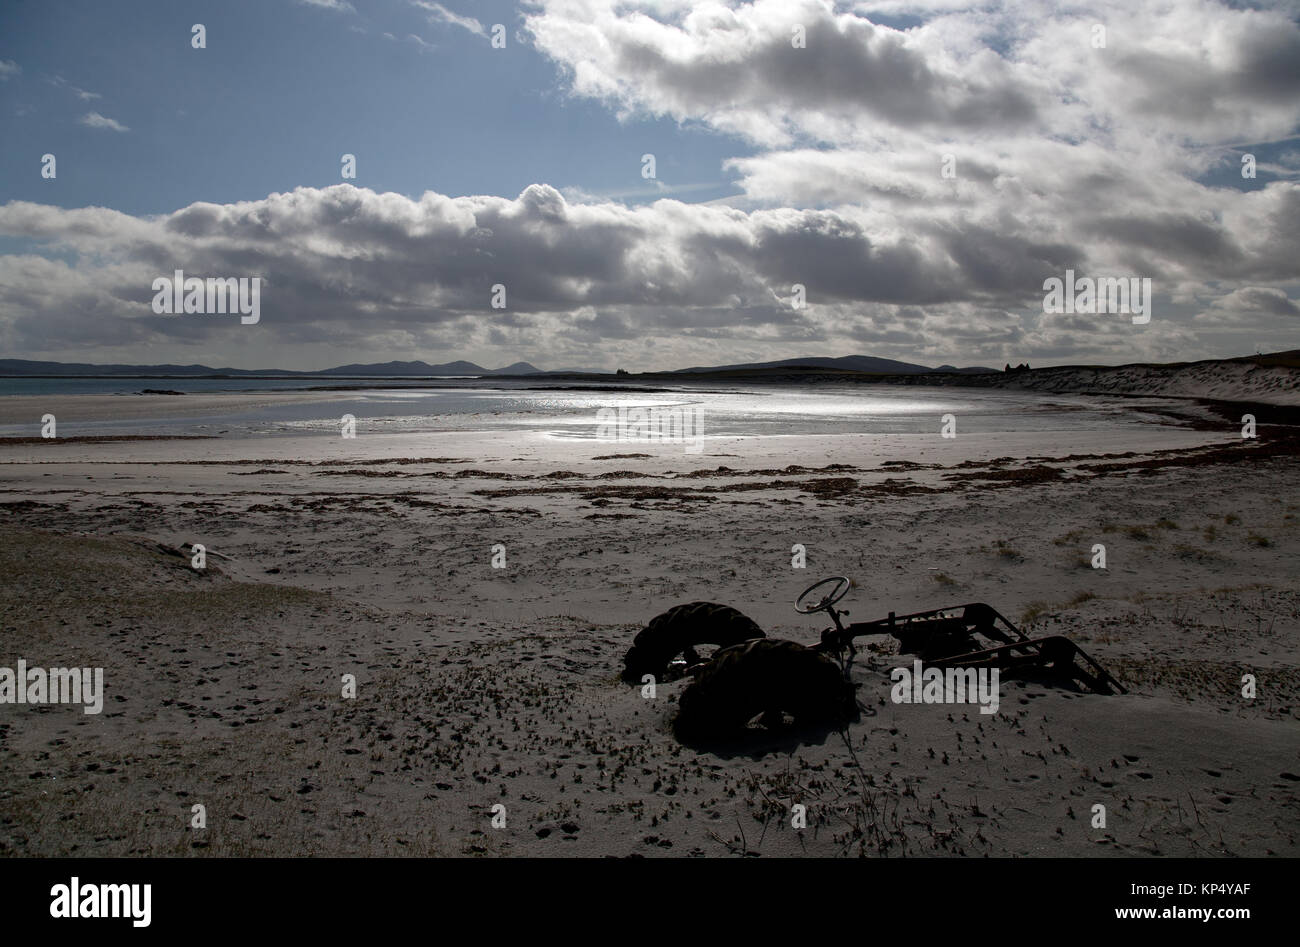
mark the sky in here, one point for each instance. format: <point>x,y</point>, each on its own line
<point>648,184</point>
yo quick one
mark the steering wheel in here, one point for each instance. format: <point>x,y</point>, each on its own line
<point>828,598</point>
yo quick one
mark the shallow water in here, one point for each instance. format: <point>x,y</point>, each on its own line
<point>762,411</point>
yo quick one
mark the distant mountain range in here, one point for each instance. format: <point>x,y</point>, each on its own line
<point>19,366</point>
<point>849,363</point>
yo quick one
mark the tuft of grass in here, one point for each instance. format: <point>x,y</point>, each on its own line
<point>1033,611</point>
<point>1188,551</point>
<point>1232,519</point>
<point>1259,540</point>
<point>1134,531</point>
<point>1165,523</point>
<point>944,579</point>
<point>1070,538</point>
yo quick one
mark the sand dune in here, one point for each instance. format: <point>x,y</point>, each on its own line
<point>1230,380</point>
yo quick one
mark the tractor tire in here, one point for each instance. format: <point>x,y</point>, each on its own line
<point>768,678</point>
<point>681,627</point>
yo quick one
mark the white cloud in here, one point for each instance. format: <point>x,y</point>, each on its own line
<point>82,94</point>
<point>600,282</point>
<point>1261,299</point>
<point>339,6</point>
<point>9,68</point>
<point>737,68</point>
<point>440,14</point>
<point>95,120</point>
<point>1198,71</point>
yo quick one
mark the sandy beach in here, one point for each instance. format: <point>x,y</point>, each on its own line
<point>479,686</point>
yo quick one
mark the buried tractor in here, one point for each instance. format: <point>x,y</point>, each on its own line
<point>755,682</point>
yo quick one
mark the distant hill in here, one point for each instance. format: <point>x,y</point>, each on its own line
<point>972,370</point>
<point>518,368</point>
<point>403,369</point>
<point>848,363</point>
<point>21,366</point>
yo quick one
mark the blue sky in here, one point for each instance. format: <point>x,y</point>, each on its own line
<point>283,89</point>
<point>918,169</point>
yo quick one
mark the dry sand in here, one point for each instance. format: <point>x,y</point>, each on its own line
<point>479,686</point>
